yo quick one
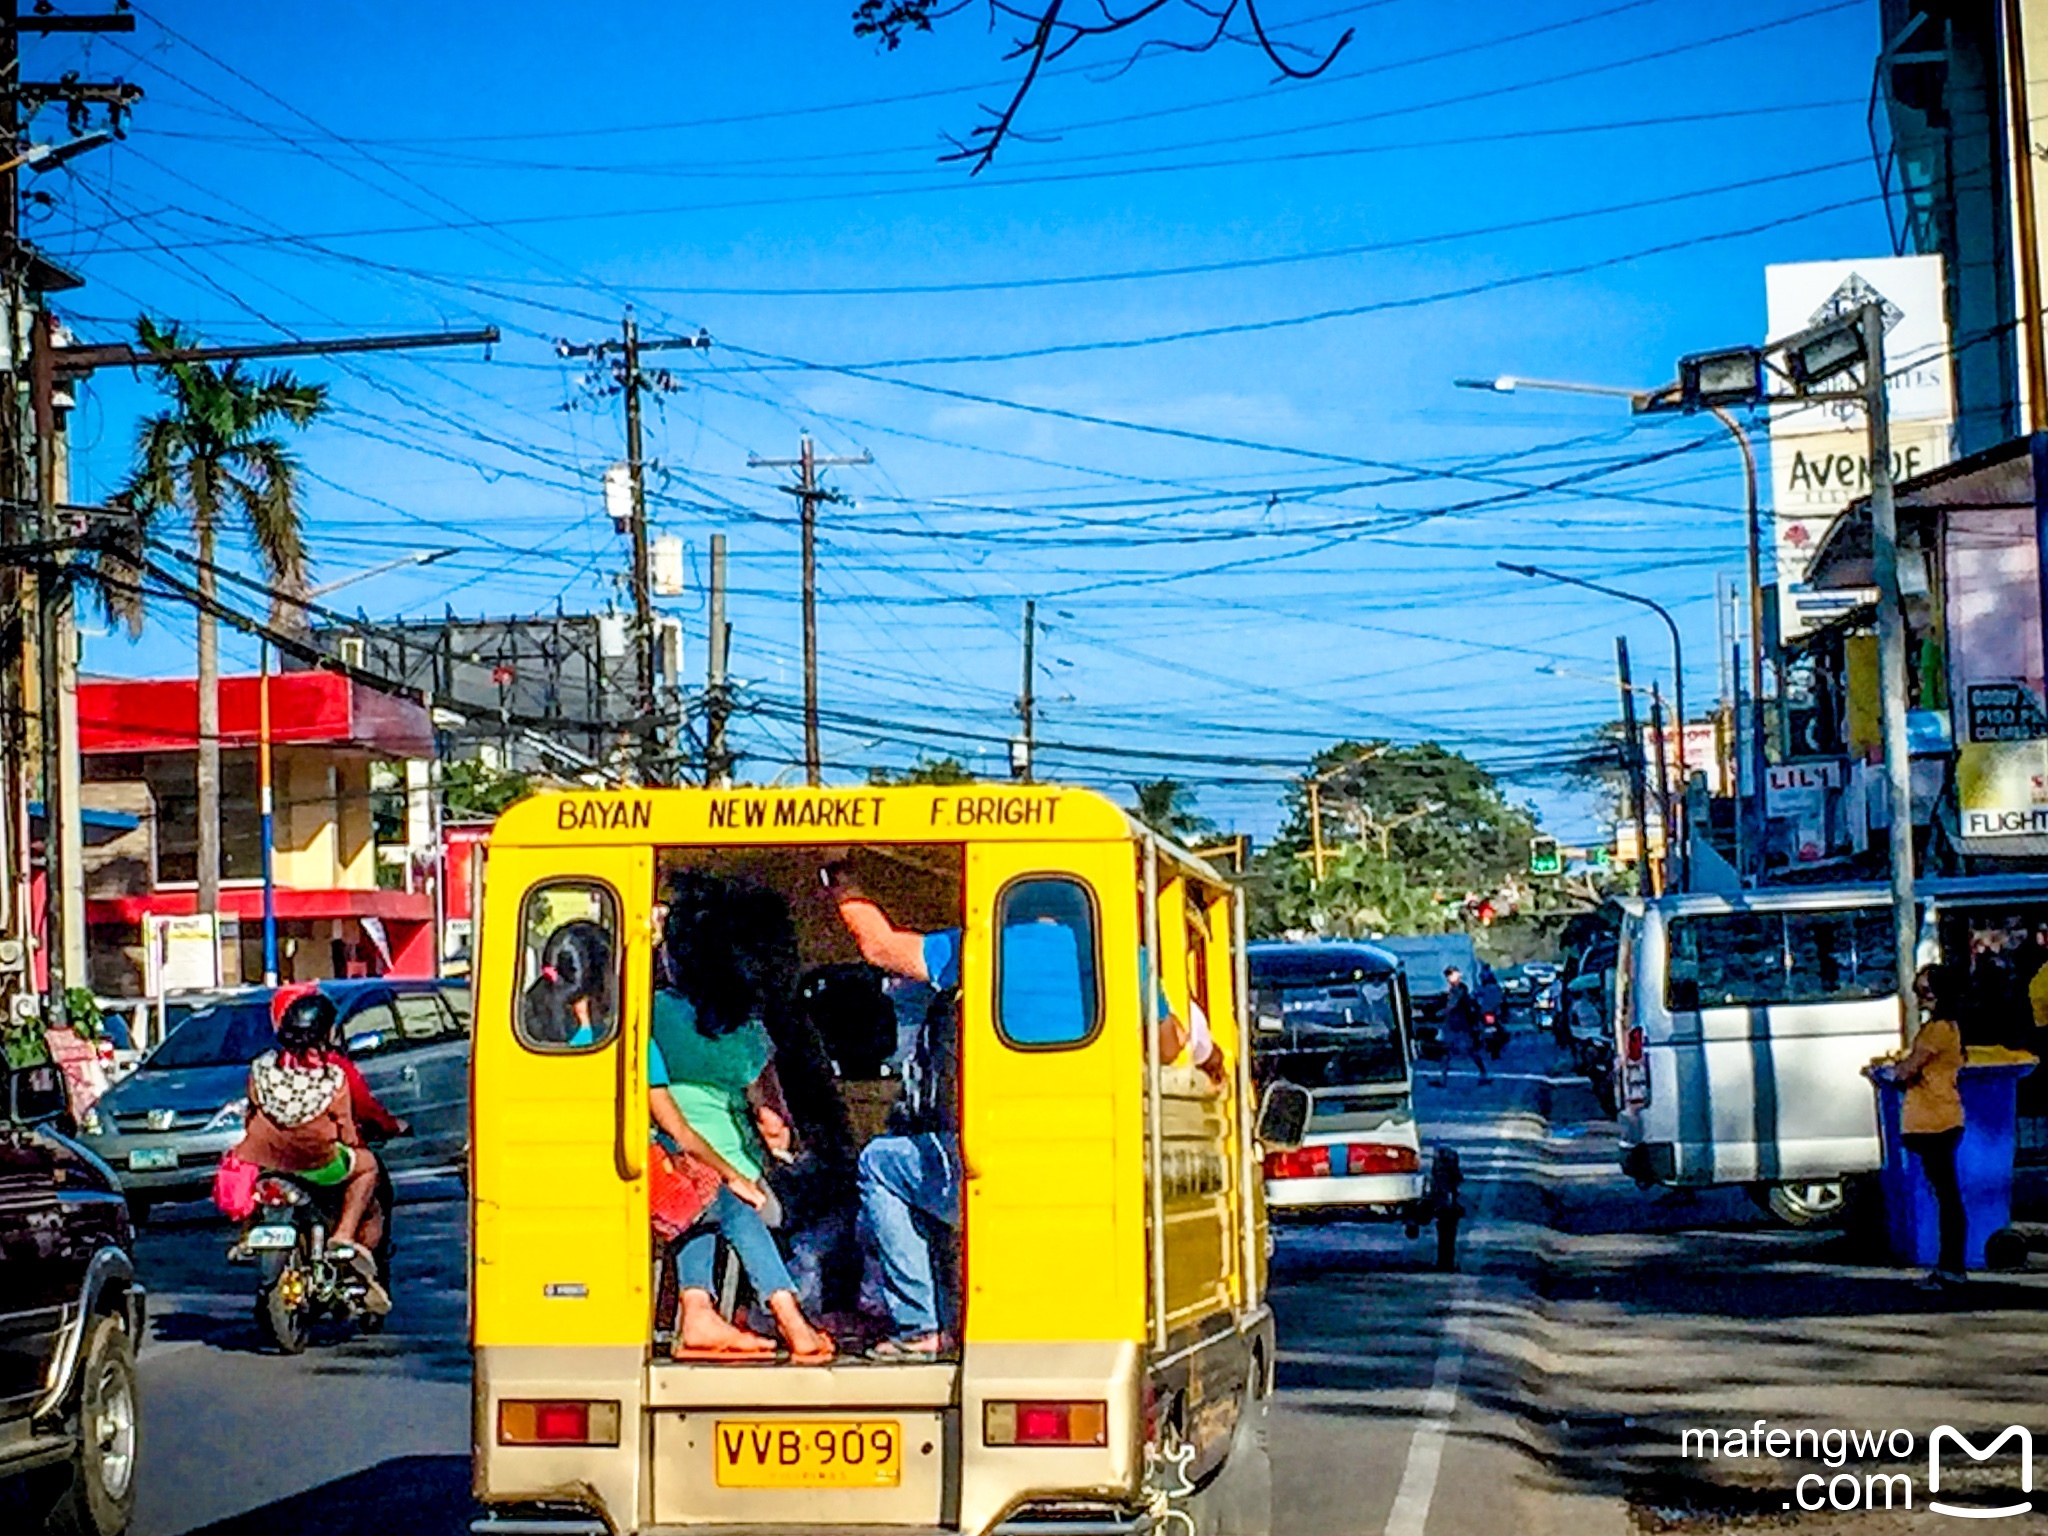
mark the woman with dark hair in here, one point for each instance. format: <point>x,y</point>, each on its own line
<point>1931,1117</point>
<point>570,1002</point>
<point>302,1121</point>
<point>713,1093</point>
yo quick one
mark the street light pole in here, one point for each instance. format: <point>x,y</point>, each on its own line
<point>1677,663</point>
<point>1891,662</point>
<point>1641,401</point>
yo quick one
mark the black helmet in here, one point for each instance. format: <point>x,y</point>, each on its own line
<point>304,1018</point>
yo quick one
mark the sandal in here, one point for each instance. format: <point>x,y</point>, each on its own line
<point>738,1350</point>
<point>904,1349</point>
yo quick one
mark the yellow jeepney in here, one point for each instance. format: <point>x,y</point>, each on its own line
<point>1110,1348</point>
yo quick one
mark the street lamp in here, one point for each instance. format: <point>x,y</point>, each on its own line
<point>1537,572</point>
<point>265,800</point>
<point>1714,381</point>
<point>47,157</point>
<point>1805,361</point>
<point>1677,645</point>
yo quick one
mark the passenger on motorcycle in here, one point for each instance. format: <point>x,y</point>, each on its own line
<point>303,1120</point>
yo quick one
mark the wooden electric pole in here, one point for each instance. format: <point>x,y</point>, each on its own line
<point>28,478</point>
<point>809,493</point>
<point>1632,758</point>
<point>717,704</point>
<point>630,380</point>
<point>1027,708</point>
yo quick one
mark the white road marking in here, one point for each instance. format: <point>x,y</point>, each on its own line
<point>1410,1512</point>
<point>1409,1515</point>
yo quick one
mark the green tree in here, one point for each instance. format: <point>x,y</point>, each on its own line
<point>208,462</point>
<point>473,790</point>
<point>1168,806</point>
<point>1360,894</point>
<point>926,770</point>
<point>1409,833</point>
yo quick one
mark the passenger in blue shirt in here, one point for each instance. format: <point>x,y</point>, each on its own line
<point>912,1175</point>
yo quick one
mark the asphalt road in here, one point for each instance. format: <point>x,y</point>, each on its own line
<point>1540,1389</point>
<point>364,1438</point>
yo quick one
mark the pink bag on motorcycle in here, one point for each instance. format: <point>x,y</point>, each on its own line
<point>234,1187</point>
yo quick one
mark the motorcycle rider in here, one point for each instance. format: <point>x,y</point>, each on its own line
<point>303,1121</point>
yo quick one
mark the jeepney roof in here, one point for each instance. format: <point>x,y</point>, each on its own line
<point>865,813</point>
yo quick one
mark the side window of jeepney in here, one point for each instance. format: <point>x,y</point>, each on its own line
<point>568,994</point>
<point>1048,964</point>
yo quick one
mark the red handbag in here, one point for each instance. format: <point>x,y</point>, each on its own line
<point>679,1187</point>
<point>234,1186</point>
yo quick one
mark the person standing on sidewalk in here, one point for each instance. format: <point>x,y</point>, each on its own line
<point>1932,1116</point>
<point>1464,1028</point>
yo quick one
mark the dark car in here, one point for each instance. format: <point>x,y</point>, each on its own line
<point>166,1124</point>
<point>71,1313</point>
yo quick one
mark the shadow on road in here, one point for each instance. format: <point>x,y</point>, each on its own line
<point>424,1494</point>
<point>1610,1321</point>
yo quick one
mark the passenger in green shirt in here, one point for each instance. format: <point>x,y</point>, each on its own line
<point>712,1092</point>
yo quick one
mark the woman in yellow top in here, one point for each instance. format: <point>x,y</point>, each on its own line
<point>1932,1115</point>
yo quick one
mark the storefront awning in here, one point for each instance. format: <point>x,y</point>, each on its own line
<point>2001,477</point>
<point>306,709</point>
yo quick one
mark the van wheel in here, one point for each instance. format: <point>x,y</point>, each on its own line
<point>101,1496</point>
<point>1808,1204</point>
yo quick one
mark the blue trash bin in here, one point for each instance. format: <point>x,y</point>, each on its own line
<point>1984,1158</point>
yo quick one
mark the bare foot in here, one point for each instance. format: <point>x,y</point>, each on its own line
<point>804,1341</point>
<point>704,1328</point>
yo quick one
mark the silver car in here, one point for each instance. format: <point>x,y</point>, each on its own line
<point>165,1126</point>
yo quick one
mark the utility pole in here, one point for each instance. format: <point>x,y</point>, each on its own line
<point>643,579</point>
<point>1891,662</point>
<point>1315,826</point>
<point>50,623</point>
<point>77,361</point>
<point>1670,822</point>
<point>1632,756</point>
<point>717,765</point>
<point>50,602</point>
<point>630,380</point>
<point>809,493</point>
<point>1024,762</point>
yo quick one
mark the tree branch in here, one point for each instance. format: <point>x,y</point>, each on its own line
<point>1047,36</point>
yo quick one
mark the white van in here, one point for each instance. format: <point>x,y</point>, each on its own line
<point>1743,1023</point>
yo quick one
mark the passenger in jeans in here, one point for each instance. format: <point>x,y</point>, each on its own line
<point>712,1092</point>
<point>912,1174</point>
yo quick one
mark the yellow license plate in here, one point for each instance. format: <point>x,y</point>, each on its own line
<point>808,1453</point>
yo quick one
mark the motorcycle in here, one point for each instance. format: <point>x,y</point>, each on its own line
<point>303,1277</point>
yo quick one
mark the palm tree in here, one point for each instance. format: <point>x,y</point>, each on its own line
<point>1168,806</point>
<point>210,459</point>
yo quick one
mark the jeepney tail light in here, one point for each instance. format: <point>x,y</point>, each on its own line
<point>1634,1044</point>
<point>1045,1423</point>
<point>1379,1157</point>
<point>560,1422</point>
<point>1301,1163</point>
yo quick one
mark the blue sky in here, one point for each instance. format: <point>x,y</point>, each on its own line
<point>1245,542</point>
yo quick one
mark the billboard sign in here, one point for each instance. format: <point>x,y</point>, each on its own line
<point>1991,571</point>
<point>1819,454</point>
